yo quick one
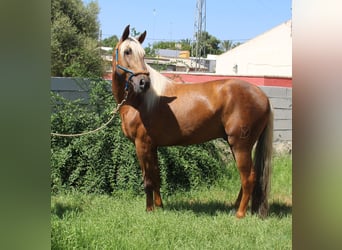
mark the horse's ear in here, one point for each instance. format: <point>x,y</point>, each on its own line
<point>125,34</point>
<point>142,36</point>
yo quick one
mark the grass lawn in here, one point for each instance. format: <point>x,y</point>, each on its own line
<point>201,219</point>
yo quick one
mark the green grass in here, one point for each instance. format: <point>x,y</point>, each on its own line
<point>200,219</point>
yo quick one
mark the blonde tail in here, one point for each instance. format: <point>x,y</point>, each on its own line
<point>263,167</point>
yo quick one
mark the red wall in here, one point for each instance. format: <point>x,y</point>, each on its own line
<point>257,80</point>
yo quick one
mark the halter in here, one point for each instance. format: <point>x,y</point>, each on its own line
<point>118,66</point>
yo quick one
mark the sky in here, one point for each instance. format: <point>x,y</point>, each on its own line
<point>173,20</point>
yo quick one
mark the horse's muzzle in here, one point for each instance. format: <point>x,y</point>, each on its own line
<point>141,83</point>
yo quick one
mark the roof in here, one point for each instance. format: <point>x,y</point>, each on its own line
<point>105,48</point>
<point>167,52</point>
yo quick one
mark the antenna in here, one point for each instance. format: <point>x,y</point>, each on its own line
<point>198,48</point>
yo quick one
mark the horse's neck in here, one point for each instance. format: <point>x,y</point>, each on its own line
<point>159,81</point>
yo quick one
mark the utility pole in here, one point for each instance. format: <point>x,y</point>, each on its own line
<point>198,47</point>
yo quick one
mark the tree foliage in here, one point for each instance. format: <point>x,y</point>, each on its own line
<point>110,41</point>
<point>74,35</point>
<point>209,45</point>
<point>228,45</point>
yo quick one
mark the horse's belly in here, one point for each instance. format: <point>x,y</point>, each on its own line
<point>191,133</point>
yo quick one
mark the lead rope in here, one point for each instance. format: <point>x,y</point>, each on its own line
<point>99,128</point>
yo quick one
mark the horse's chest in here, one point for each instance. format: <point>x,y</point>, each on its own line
<point>125,129</point>
<point>129,124</point>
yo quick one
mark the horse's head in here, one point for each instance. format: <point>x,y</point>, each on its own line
<point>128,62</point>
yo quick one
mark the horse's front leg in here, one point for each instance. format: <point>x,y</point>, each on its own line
<point>148,160</point>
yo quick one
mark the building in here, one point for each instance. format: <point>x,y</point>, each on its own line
<point>107,57</point>
<point>174,60</point>
<point>269,54</point>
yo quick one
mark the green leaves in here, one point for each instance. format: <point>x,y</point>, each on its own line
<point>74,34</point>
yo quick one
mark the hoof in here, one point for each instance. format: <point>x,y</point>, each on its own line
<point>240,215</point>
<point>149,209</point>
<point>159,206</point>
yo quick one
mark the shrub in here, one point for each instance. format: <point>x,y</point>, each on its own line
<point>105,162</point>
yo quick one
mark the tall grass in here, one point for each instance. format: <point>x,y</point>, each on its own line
<point>200,219</point>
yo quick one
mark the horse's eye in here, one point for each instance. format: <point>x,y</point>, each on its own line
<point>128,51</point>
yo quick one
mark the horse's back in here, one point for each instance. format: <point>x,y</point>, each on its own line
<point>236,95</point>
<point>246,94</point>
<point>238,88</point>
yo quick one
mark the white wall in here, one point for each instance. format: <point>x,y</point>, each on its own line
<point>269,54</point>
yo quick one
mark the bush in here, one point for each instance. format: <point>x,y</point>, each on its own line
<point>105,162</point>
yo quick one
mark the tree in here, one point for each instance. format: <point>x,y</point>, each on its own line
<point>210,45</point>
<point>150,51</point>
<point>134,32</point>
<point>186,44</point>
<point>110,41</point>
<point>236,44</point>
<point>164,45</point>
<point>227,45</point>
<point>74,34</point>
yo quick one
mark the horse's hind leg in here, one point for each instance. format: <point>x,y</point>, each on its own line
<point>238,199</point>
<point>247,175</point>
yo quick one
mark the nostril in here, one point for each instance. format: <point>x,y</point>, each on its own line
<point>147,85</point>
<point>144,84</point>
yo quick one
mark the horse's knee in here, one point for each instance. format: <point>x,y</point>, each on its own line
<point>148,185</point>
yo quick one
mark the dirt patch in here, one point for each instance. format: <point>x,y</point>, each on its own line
<point>282,147</point>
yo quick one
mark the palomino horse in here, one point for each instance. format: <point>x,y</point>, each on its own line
<point>159,112</point>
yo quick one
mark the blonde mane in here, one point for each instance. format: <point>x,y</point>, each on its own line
<point>159,83</point>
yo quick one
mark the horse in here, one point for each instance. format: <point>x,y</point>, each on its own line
<point>157,111</point>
